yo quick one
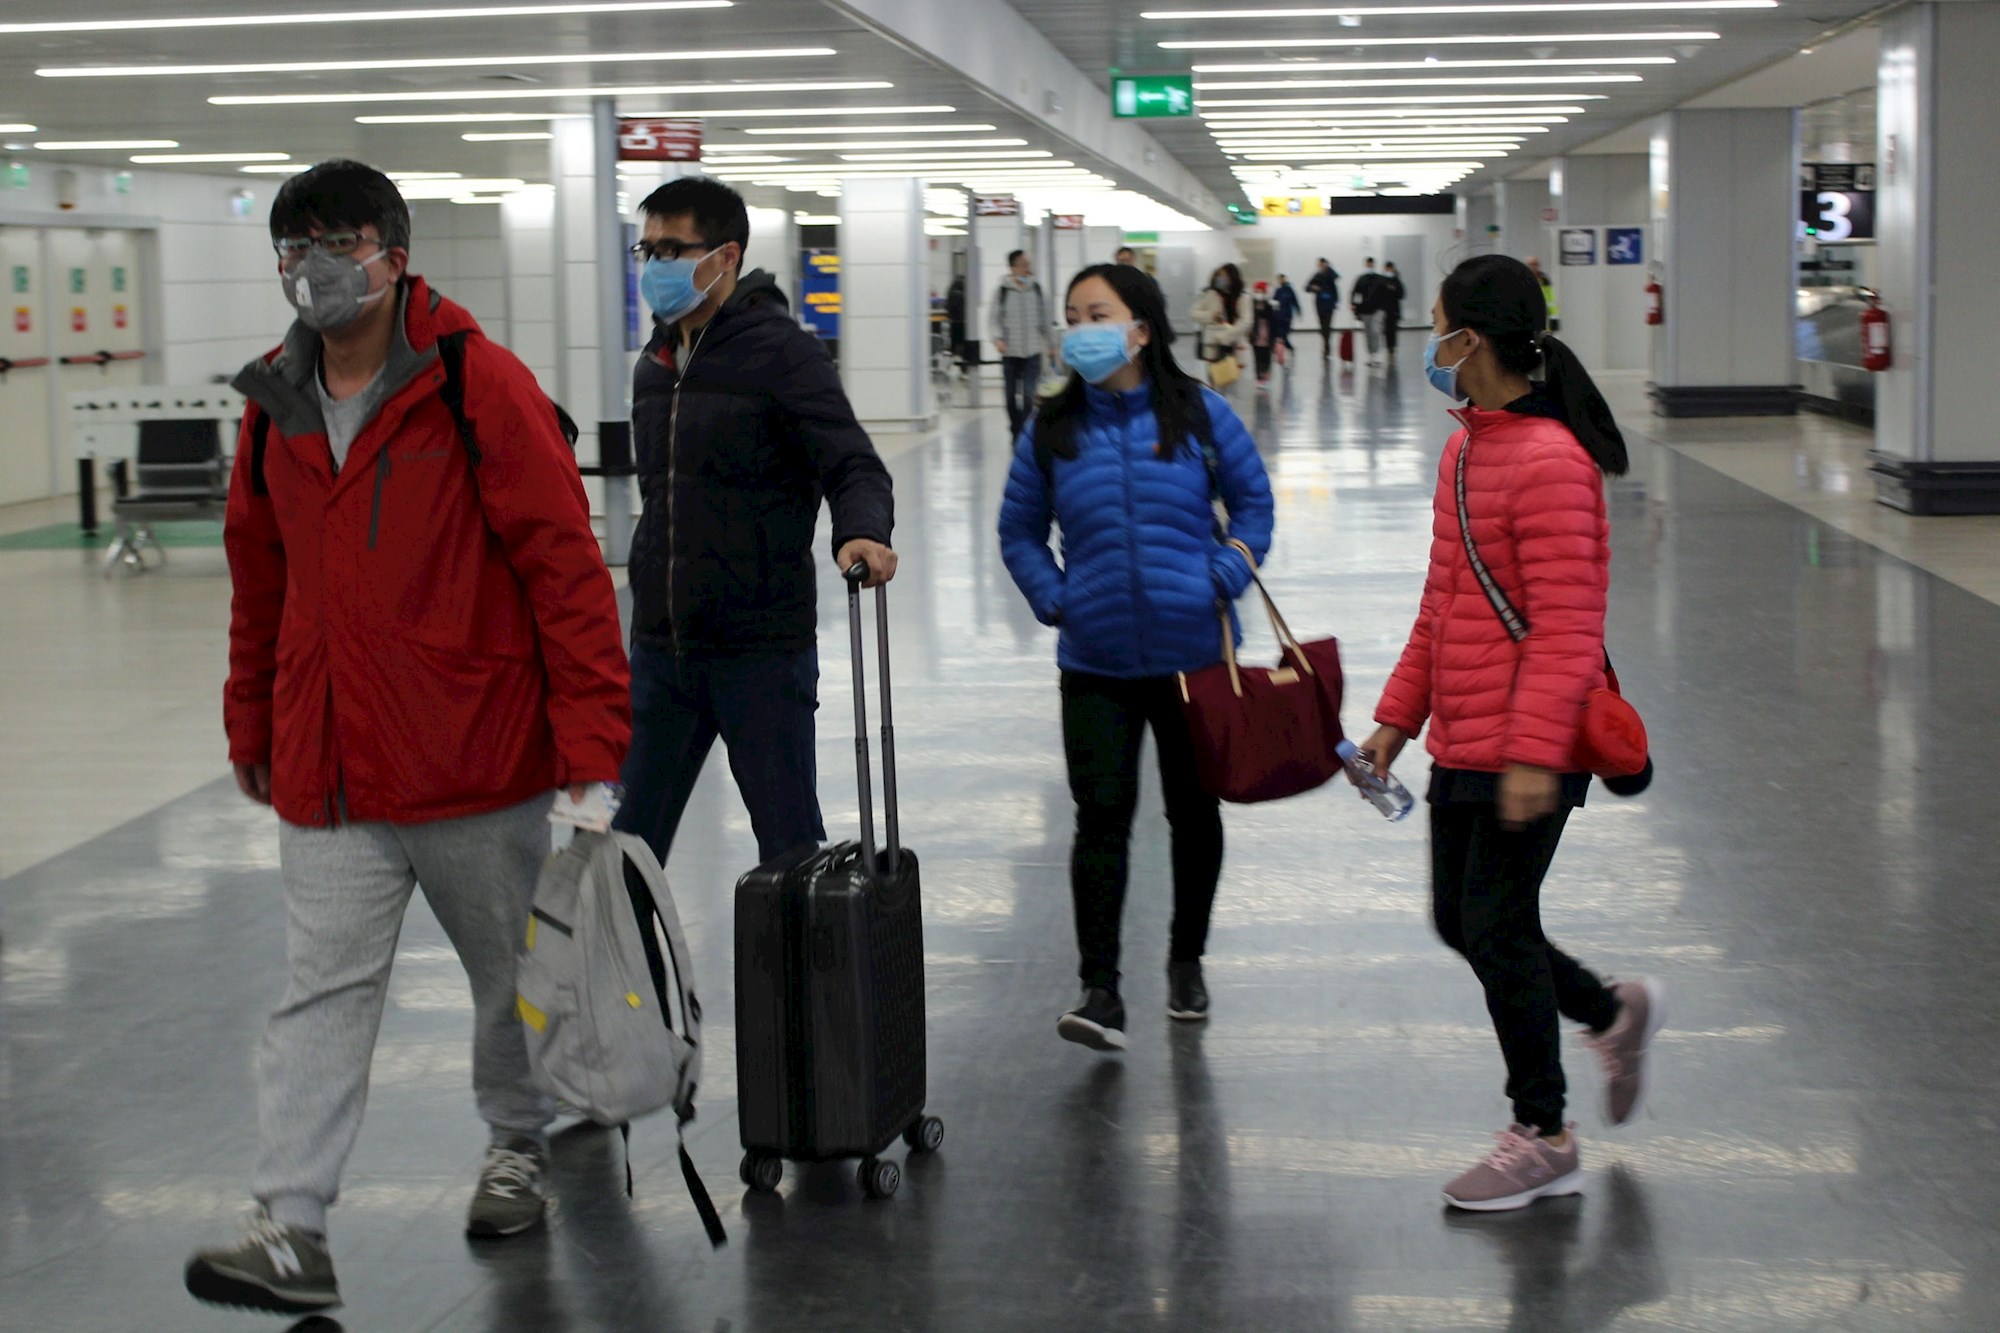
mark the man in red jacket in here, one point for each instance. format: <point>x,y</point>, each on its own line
<point>424,647</point>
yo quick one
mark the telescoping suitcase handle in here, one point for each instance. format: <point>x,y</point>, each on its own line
<point>856,575</point>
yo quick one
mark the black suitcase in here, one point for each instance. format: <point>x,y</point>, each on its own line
<point>830,983</point>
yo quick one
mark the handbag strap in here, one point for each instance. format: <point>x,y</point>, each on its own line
<point>1516,623</point>
<point>1288,644</point>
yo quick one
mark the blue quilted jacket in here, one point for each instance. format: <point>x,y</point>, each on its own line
<point>1135,589</point>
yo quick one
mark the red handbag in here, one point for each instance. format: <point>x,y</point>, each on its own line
<point>1265,733</point>
<point>1611,740</point>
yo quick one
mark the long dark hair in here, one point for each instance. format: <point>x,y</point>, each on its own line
<point>1177,403</point>
<point>1232,293</point>
<point>1498,297</point>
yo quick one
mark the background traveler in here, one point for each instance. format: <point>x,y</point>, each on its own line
<point>1021,324</point>
<point>1117,460</point>
<point>1363,301</point>
<point>954,318</point>
<point>1548,293</point>
<point>1221,317</point>
<point>740,425</point>
<point>1125,255</point>
<point>1389,302</point>
<point>1324,285</point>
<point>1504,716</point>
<point>1285,310</point>
<point>423,646</point>
<point>1263,332</point>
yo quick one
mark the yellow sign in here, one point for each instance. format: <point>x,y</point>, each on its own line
<point>1293,206</point>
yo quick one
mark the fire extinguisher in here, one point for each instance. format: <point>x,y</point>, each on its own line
<point>1656,301</point>
<point>1875,351</point>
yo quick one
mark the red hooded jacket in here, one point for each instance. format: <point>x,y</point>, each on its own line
<point>1536,499</point>
<point>415,639</point>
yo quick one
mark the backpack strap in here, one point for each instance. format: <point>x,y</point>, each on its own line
<point>451,351</point>
<point>260,435</point>
<point>711,1221</point>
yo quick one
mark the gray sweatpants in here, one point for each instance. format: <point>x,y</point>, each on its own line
<point>346,892</point>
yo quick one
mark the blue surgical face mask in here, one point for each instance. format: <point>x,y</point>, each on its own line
<point>1444,378</point>
<point>1097,351</point>
<point>668,286</point>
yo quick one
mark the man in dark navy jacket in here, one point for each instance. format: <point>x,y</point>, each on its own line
<point>741,427</point>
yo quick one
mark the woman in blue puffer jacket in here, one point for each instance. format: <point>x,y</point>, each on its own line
<point>1127,460</point>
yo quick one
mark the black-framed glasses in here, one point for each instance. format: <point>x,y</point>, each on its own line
<point>668,248</point>
<point>337,243</point>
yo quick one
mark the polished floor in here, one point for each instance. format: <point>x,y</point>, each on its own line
<point>1811,877</point>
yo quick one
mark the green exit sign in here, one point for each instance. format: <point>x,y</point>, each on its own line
<point>1151,95</point>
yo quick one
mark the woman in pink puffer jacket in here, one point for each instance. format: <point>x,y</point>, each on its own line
<point>1504,715</point>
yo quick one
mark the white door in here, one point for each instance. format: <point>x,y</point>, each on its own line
<point>27,460</point>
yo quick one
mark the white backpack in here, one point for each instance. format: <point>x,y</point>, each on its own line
<point>606,993</point>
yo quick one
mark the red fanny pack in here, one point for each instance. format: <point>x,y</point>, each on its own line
<point>1611,740</point>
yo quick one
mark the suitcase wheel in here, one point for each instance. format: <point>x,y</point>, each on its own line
<point>924,1134</point>
<point>879,1179</point>
<point>761,1171</point>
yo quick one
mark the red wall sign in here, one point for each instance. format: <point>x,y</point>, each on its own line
<point>119,318</point>
<point>995,206</point>
<point>24,321</point>
<point>79,319</point>
<point>1068,221</point>
<point>659,141</point>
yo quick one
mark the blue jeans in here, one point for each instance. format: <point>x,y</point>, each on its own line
<point>762,709</point>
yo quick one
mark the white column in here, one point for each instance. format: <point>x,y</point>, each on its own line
<point>1603,303</point>
<point>885,302</point>
<point>774,247</point>
<point>1524,232</point>
<point>997,238</point>
<point>1937,105</point>
<point>1725,207</point>
<point>527,233</point>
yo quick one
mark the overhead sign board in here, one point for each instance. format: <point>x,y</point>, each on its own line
<point>995,206</point>
<point>1837,200</point>
<point>1292,206</point>
<point>659,141</point>
<point>1578,247</point>
<point>1148,96</point>
<point>1068,221</point>
<point>1624,245</point>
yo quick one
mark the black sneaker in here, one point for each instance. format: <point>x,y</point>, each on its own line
<point>276,1268</point>
<point>1187,997</point>
<point>1098,1022</point>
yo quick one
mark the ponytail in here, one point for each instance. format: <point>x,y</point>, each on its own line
<point>1500,298</point>
<point>1583,408</point>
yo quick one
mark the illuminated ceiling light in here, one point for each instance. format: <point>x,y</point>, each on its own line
<point>1337,66</point>
<point>279,169</point>
<point>96,145</point>
<point>1438,99</point>
<point>1378,108</point>
<point>876,129</point>
<point>424,175</point>
<point>817,146</point>
<point>162,159</point>
<point>1462,81</point>
<point>733,113</point>
<point>746,159</point>
<point>507,136</point>
<point>1365,11</point>
<point>510,94</point>
<point>445,188</point>
<point>1453,39</point>
<point>17,129</point>
<point>944,155</point>
<point>136,23</point>
<point>421,62</point>
<point>471,118</point>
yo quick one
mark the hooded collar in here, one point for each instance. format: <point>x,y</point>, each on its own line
<point>1104,402</point>
<point>283,383</point>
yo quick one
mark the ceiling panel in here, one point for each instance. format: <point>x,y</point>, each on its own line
<point>1103,35</point>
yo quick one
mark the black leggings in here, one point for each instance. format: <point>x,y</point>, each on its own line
<point>1104,721</point>
<point>1486,886</point>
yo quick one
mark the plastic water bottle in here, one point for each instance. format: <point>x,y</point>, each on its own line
<point>1380,790</point>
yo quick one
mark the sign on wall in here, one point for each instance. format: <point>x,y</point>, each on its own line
<point>659,141</point>
<point>1292,206</point>
<point>995,206</point>
<point>820,289</point>
<point>1837,200</point>
<point>1068,221</point>
<point>1148,96</point>
<point>1577,246</point>
<point>1624,245</point>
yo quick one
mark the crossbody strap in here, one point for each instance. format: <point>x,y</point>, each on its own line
<point>1516,623</point>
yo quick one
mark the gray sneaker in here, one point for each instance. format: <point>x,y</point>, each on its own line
<point>1520,1170</point>
<point>1623,1047</point>
<point>276,1268</point>
<point>511,1196</point>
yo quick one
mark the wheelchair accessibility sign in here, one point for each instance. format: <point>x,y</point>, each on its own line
<point>1624,245</point>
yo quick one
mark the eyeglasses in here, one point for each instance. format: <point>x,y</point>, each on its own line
<point>337,243</point>
<point>667,249</point>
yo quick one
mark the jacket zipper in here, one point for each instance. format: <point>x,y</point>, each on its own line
<point>1131,529</point>
<point>673,455</point>
<point>375,513</point>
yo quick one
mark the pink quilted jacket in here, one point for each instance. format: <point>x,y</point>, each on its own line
<point>1537,506</point>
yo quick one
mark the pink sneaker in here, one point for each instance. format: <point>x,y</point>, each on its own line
<point>1522,1169</point>
<point>1624,1045</point>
